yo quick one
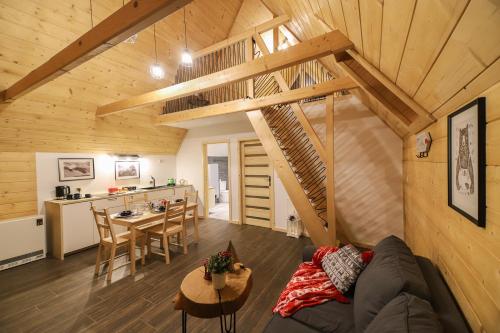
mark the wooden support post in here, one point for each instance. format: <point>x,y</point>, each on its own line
<point>330,171</point>
<point>126,21</point>
<point>276,35</point>
<point>249,57</point>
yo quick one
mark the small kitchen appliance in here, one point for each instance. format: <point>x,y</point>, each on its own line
<point>62,191</point>
<point>171,182</point>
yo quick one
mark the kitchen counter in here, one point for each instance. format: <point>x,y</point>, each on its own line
<point>71,225</point>
<point>107,196</point>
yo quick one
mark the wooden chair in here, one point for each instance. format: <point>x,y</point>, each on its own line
<point>109,239</point>
<point>129,200</point>
<point>173,212</point>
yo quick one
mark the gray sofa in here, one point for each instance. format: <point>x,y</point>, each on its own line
<point>397,292</point>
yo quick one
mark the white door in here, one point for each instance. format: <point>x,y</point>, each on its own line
<point>257,185</point>
<point>78,226</point>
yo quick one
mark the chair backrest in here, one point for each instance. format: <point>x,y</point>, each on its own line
<point>128,200</point>
<point>103,223</point>
<point>175,210</point>
<point>191,196</point>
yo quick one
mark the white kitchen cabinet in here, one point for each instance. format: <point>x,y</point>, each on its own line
<point>78,226</point>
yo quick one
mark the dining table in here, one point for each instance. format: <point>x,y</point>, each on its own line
<point>146,219</point>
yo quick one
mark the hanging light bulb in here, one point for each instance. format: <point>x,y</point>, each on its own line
<point>186,57</point>
<point>157,72</point>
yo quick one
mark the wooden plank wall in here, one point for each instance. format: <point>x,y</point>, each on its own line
<point>60,116</point>
<point>17,185</point>
<point>468,256</point>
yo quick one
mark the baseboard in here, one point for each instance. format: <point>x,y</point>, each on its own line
<point>235,222</point>
<point>279,229</point>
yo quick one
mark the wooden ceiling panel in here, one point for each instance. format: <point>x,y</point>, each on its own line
<point>433,22</point>
<point>60,116</point>
<point>397,17</point>
<point>465,55</point>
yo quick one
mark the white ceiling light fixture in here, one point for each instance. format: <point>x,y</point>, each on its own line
<point>157,72</point>
<point>284,44</point>
<point>132,39</point>
<point>186,57</point>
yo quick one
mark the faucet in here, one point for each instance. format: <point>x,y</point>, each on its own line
<point>154,181</point>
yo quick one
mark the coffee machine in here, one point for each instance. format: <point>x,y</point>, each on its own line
<point>62,192</point>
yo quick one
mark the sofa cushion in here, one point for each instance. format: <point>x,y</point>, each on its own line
<point>278,324</point>
<point>329,317</point>
<point>343,267</point>
<point>392,271</point>
<point>405,314</point>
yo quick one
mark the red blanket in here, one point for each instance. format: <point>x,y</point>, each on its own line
<point>310,285</point>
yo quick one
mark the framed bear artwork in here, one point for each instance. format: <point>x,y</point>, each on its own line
<point>467,161</point>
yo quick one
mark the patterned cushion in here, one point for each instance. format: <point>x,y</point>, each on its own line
<point>343,267</point>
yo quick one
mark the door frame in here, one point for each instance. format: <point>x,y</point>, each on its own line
<point>242,184</point>
<point>205,177</point>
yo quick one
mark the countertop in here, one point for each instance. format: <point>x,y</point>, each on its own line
<point>108,196</point>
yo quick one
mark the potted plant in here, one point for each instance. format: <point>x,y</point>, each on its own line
<point>218,265</point>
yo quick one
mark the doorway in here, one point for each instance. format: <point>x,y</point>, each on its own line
<point>257,185</point>
<point>217,170</point>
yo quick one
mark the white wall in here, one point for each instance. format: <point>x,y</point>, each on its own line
<point>217,150</point>
<point>190,167</point>
<point>161,167</point>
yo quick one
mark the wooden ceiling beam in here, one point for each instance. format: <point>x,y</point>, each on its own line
<point>125,22</point>
<point>240,105</point>
<point>330,43</point>
<point>271,24</point>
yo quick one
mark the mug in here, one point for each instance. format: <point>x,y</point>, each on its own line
<point>76,196</point>
<point>88,195</point>
<point>69,197</point>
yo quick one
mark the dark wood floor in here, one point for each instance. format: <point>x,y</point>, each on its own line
<point>62,296</point>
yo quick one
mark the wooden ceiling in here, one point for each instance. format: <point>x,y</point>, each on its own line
<point>413,44</point>
<point>440,53</point>
<point>60,116</point>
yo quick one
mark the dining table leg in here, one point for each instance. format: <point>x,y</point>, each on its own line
<point>132,250</point>
<point>196,233</point>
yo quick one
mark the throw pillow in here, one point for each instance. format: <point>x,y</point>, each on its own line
<point>343,267</point>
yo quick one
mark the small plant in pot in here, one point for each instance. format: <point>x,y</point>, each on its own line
<point>218,265</point>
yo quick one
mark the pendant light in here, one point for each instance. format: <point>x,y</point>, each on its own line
<point>157,72</point>
<point>132,39</point>
<point>186,57</point>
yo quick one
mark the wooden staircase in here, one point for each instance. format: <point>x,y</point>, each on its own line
<point>303,163</point>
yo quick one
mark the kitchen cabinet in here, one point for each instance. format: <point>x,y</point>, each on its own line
<point>78,226</point>
<point>71,226</point>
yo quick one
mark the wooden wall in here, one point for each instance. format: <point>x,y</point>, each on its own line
<point>468,256</point>
<point>368,170</point>
<point>60,116</point>
<point>17,185</point>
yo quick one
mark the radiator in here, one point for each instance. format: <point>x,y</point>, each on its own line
<point>22,240</point>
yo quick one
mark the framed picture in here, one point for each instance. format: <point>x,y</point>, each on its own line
<point>127,170</point>
<point>75,169</point>
<point>467,161</point>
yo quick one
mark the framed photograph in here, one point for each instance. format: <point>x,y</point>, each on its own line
<point>467,161</point>
<point>75,169</point>
<point>127,170</point>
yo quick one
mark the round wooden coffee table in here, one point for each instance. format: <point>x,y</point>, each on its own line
<point>198,298</point>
